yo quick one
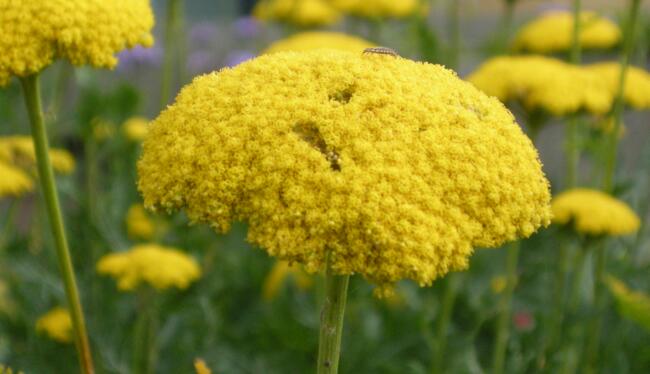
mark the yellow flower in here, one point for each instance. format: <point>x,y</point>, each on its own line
<point>394,168</point>
<point>593,212</point>
<point>543,83</point>
<point>138,223</point>
<point>160,267</point>
<point>378,8</point>
<point>498,284</point>
<point>13,181</point>
<point>634,305</point>
<point>637,82</point>
<point>553,32</point>
<point>86,32</point>
<point>307,41</point>
<point>19,151</point>
<point>201,367</point>
<point>303,13</point>
<point>280,271</point>
<point>56,324</point>
<point>135,128</point>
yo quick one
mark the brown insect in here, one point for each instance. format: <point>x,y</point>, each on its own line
<point>381,51</point>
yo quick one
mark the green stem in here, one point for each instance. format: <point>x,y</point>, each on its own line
<point>619,102</point>
<point>503,324</point>
<point>447,308</point>
<point>453,24</point>
<point>331,328</point>
<point>171,31</point>
<point>575,56</point>
<point>593,339</point>
<point>46,178</point>
<point>506,25</point>
<point>146,326</point>
<point>576,331</point>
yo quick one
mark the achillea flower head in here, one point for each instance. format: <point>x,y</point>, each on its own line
<point>13,181</point>
<point>393,168</point>
<point>307,41</point>
<point>56,324</point>
<point>201,367</point>
<point>542,83</point>
<point>158,266</point>
<point>593,212</point>
<point>279,273</point>
<point>304,13</point>
<point>637,82</point>
<point>85,32</point>
<point>135,128</point>
<point>553,32</point>
<point>138,224</point>
<point>19,151</point>
<point>633,305</point>
<point>378,8</point>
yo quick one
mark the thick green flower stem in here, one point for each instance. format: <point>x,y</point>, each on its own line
<point>144,337</point>
<point>505,307</point>
<point>446,310</point>
<point>331,324</point>
<point>46,178</point>
<point>171,37</point>
<point>593,336</point>
<point>619,102</point>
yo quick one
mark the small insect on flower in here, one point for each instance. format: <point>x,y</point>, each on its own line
<point>381,51</point>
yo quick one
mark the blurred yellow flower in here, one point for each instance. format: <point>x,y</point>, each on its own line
<point>378,8</point>
<point>158,266</point>
<point>543,83</point>
<point>303,13</point>
<point>634,305</point>
<point>19,151</point>
<point>392,168</point>
<point>307,41</point>
<point>102,130</point>
<point>56,324</point>
<point>85,32</point>
<point>138,224</point>
<point>281,271</point>
<point>637,82</point>
<point>498,284</point>
<point>13,181</point>
<point>201,367</point>
<point>135,128</point>
<point>553,32</point>
<point>594,212</point>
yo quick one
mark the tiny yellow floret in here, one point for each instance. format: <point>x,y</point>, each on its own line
<point>56,324</point>
<point>637,82</point>
<point>378,8</point>
<point>553,32</point>
<point>158,266</point>
<point>135,128</point>
<point>593,212</point>
<point>138,224</point>
<point>303,13</point>
<point>86,32</point>
<point>13,181</point>
<point>544,83</point>
<point>393,168</point>
<point>308,41</point>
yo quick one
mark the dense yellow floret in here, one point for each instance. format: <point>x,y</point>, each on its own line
<point>13,181</point>
<point>543,83</point>
<point>307,41</point>
<point>279,273</point>
<point>637,82</point>
<point>138,224</point>
<point>553,32</point>
<point>158,266</point>
<point>378,8</point>
<point>299,12</point>
<point>56,324</point>
<point>135,128</point>
<point>19,151</point>
<point>593,212</point>
<point>634,305</point>
<point>394,168</point>
<point>86,32</point>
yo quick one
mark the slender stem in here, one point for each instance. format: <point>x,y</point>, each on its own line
<point>593,339</point>
<point>447,308</point>
<point>576,331</point>
<point>617,113</point>
<point>578,272</point>
<point>331,328</point>
<point>46,178</point>
<point>506,25</point>
<point>503,324</point>
<point>575,56</point>
<point>144,342</point>
<point>171,28</point>
<point>454,34</point>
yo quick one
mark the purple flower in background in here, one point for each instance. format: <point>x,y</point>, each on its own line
<point>203,33</point>
<point>201,62</point>
<point>139,56</point>
<point>235,58</point>
<point>246,27</point>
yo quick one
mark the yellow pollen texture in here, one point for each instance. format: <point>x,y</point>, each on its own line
<point>396,169</point>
